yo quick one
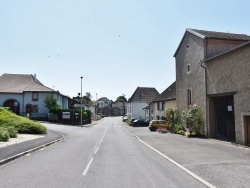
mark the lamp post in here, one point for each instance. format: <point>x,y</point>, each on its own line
<point>96,107</point>
<point>81,100</point>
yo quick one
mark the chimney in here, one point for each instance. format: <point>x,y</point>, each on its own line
<point>35,76</point>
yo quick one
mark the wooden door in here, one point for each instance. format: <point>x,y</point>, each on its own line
<point>247,121</point>
<point>224,118</point>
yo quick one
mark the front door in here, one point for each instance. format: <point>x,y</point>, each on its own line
<point>224,118</point>
<point>28,109</point>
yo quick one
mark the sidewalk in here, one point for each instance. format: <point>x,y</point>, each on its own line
<point>12,152</point>
<point>15,151</point>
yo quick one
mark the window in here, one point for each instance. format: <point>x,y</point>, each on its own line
<point>34,108</point>
<point>188,68</point>
<point>158,118</point>
<point>34,96</point>
<point>160,105</point>
<point>140,98</point>
<point>189,97</point>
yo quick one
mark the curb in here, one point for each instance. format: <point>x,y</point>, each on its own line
<point>12,158</point>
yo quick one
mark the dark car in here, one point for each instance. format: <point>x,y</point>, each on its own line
<point>131,121</point>
<point>139,123</point>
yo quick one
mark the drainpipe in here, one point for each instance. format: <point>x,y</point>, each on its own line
<point>205,80</point>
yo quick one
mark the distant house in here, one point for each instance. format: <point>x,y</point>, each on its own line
<point>164,101</point>
<point>103,102</point>
<point>24,94</point>
<point>141,98</point>
<point>212,72</point>
<point>78,101</point>
<point>119,108</point>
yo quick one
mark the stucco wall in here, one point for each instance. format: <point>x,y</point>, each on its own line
<point>39,102</point>
<point>18,97</point>
<point>231,73</point>
<point>137,110</point>
<point>191,51</point>
<point>160,113</point>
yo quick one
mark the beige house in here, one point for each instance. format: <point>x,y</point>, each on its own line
<point>164,101</point>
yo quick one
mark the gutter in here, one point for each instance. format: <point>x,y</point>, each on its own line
<point>205,80</point>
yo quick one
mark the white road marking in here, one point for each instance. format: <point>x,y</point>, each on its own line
<point>96,150</point>
<point>174,162</point>
<point>87,168</point>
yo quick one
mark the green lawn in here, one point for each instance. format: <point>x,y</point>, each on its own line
<point>12,124</point>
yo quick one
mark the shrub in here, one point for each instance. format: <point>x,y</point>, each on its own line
<point>171,116</point>
<point>192,118</point>
<point>4,134</point>
<point>16,124</point>
<point>12,132</point>
<point>34,128</point>
<point>178,128</point>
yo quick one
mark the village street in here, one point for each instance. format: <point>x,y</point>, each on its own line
<point>112,154</point>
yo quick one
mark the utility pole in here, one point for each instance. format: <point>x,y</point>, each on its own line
<point>81,100</point>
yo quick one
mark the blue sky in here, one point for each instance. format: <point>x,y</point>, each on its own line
<point>116,45</point>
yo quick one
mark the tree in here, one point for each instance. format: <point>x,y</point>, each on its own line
<point>51,103</point>
<point>88,97</point>
<point>121,99</point>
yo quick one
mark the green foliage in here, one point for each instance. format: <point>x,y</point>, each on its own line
<point>178,128</point>
<point>121,99</point>
<point>16,124</point>
<point>4,134</point>
<point>171,116</point>
<point>51,103</point>
<point>192,118</point>
<point>88,97</point>
<point>12,131</point>
<point>31,129</point>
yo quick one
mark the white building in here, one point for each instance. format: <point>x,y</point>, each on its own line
<point>139,100</point>
<point>24,94</point>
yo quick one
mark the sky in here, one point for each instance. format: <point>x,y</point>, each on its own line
<point>116,45</point>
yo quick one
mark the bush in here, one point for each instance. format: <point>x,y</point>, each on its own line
<point>31,129</point>
<point>171,116</point>
<point>16,124</point>
<point>178,128</point>
<point>12,132</point>
<point>4,134</point>
<point>192,118</point>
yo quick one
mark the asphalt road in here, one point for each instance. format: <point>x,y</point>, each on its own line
<point>104,155</point>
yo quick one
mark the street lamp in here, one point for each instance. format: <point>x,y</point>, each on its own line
<point>96,106</point>
<point>81,100</point>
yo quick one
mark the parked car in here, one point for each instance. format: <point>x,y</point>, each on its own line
<point>131,121</point>
<point>155,124</point>
<point>125,118</point>
<point>139,123</point>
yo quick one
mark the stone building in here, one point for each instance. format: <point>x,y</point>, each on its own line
<point>196,48</point>
<point>228,94</point>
